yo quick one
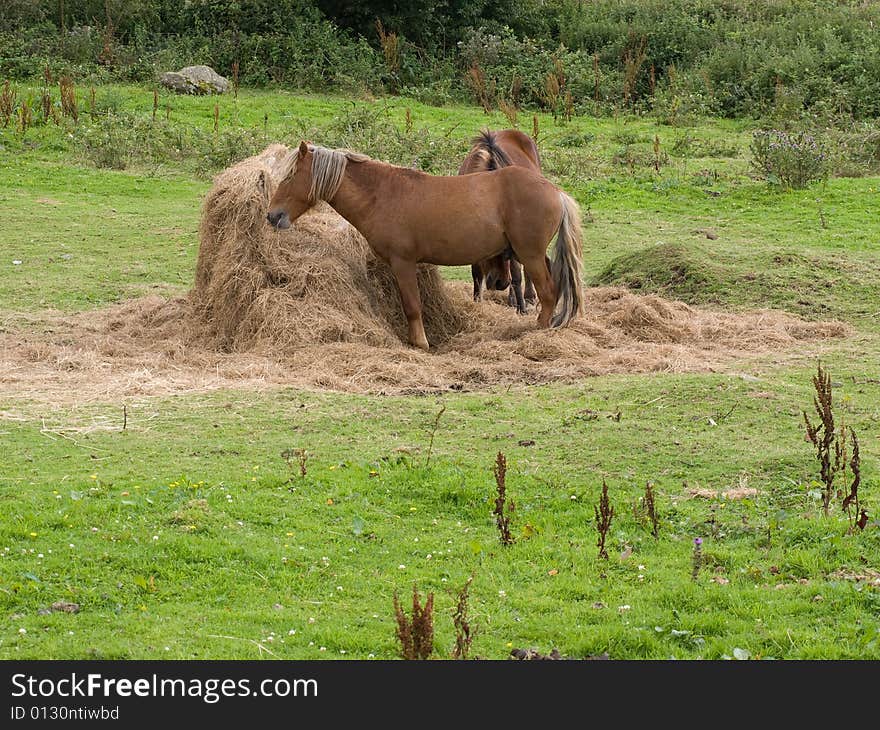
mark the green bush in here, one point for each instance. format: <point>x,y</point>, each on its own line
<point>790,159</point>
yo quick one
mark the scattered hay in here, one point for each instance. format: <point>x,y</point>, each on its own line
<point>734,493</point>
<point>865,575</point>
<point>314,308</point>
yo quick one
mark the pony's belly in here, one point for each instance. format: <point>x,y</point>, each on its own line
<point>464,244</point>
<point>460,253</point>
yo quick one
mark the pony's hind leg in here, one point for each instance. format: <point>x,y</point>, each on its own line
<point>408,285</point>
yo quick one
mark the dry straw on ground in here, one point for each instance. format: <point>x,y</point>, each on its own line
<point>313,307</point>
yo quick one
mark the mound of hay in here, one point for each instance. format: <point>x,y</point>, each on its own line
<point>313,307</point>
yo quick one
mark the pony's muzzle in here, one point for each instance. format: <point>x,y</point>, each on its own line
<point>497,283</point>
<point>278,219</point>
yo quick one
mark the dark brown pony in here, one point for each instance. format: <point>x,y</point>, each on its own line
<point>492,151</point>
<point>409,217</point>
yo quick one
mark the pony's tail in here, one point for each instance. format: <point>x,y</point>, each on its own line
<point>565,267</point>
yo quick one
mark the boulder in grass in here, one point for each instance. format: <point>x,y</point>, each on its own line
<point>177,83</point>
<point>195,80</point>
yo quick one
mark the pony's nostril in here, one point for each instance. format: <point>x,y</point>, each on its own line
<point>278,219</point>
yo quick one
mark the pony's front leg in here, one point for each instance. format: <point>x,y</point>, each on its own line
<point>408,285</point>
<point>515,298</point>
<point>530,296</point>
<point>478,276</point>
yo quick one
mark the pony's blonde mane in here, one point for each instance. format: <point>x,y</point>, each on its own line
<point>328,167</point>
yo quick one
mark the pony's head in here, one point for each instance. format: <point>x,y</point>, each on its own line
<point>314,173</point>
<point>292,196</point>
<point>497,272</point>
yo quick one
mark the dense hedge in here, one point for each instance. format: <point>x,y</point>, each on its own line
<point>730,57</point>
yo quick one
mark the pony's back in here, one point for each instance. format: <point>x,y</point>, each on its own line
<point>494,150</point>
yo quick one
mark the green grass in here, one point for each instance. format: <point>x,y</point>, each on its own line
<point>187,534</point>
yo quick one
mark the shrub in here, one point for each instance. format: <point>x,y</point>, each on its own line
<point>790,159</point>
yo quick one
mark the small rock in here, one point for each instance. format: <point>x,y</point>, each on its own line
<point>526,442</point>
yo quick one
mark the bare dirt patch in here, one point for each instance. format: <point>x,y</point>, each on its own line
<point>312,307</point>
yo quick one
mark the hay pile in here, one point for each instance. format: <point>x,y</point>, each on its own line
<point>313,307</point>
<point>258,290</point>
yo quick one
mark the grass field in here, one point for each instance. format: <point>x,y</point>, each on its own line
<point>188,534</point>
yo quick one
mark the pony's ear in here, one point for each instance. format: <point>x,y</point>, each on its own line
<point>303,149</point>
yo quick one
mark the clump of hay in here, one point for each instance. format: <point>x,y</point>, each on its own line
<point>313,307</point>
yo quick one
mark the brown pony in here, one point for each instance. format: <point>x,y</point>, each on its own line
<point>409,217</point>
<point>492,151</point>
